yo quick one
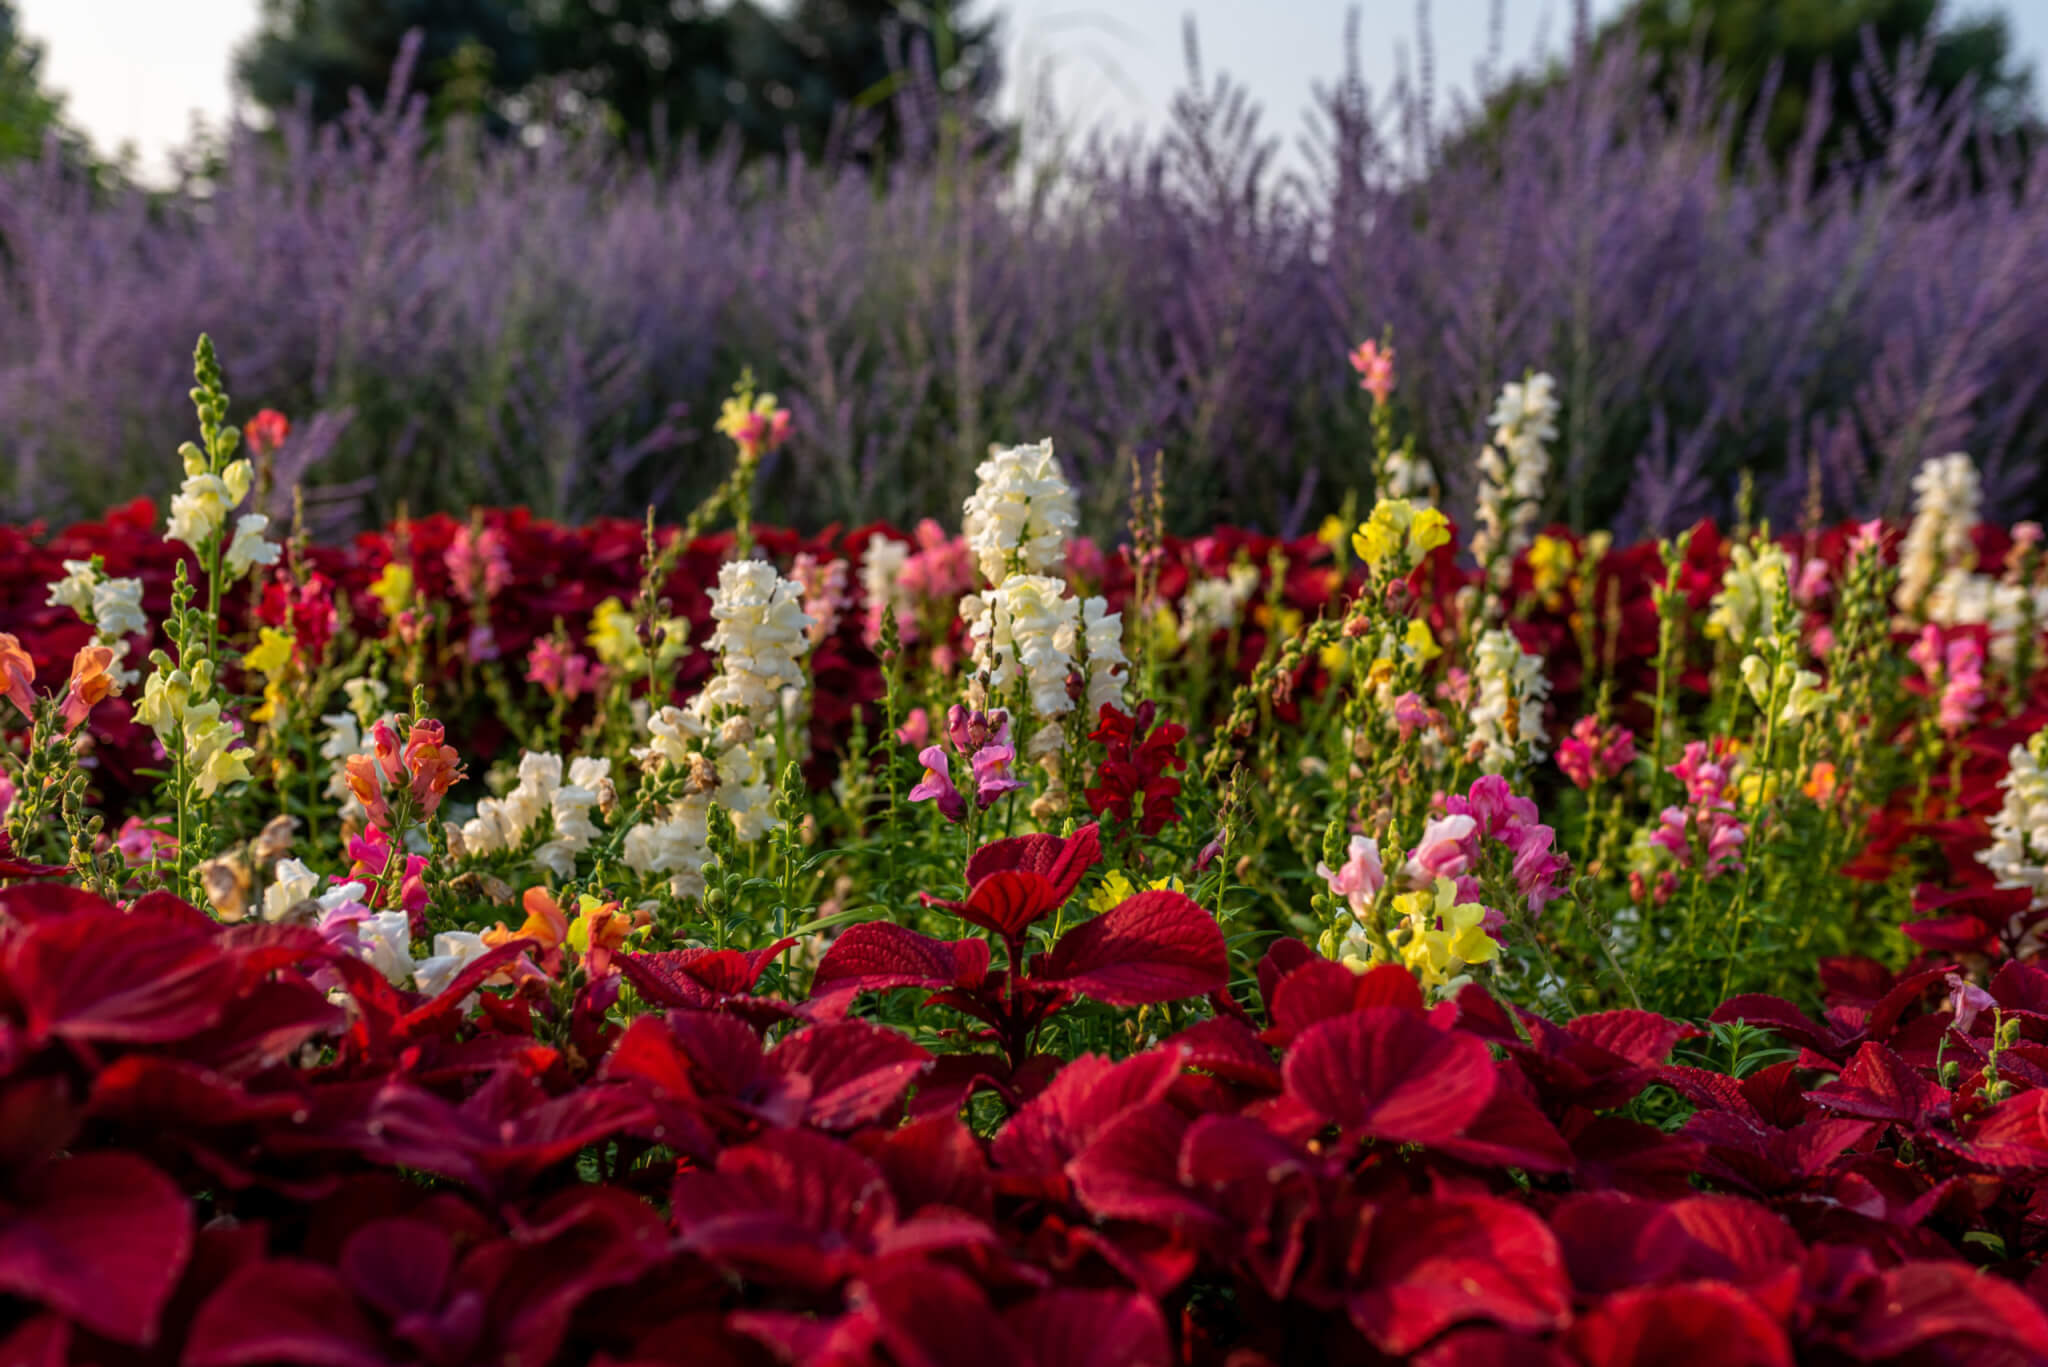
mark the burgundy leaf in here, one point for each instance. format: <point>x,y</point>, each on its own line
<point>1704,1323</point>
<point>1775,1013</point>
<point>1157,946</point>
<point>1641,1037</point>
<point>876,955</point>
<point>101,1237</point>
<point>114,978</point>
<point>1920,1303</point>
<point>1320,990</point>
<point>1879,1085</point>
<point>1086,1095</point>
<point>791,1209</point>
<point>1429,1265</point>
<point>855,1071</point>
<point>1387,1073</point>
<point>286,1310</point>
<point>1071,1328</point>
<point>1060,861</point>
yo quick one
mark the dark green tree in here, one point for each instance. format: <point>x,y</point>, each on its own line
<point>471,51</point>
<point>29,113</point>
<point>1747,39</point>
<point>659,71</point>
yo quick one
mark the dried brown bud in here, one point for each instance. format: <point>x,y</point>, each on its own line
<point>226,885</point>
<point>274,841</point>
<point>607,798</point>
<point>458,848</point>
<point>703,775</point>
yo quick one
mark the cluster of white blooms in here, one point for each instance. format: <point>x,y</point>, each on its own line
<point>1024,626</point>
<point>501,823</point>
<point>1746,608</point>
<point>1947,499</point>
<point>112,606</point>
<point>761,638</point>
<point>2019,846</point>
<point>200,509</point>
<point>2006,605</point>
<point>1508,692</point>
<point>1411,477</point>
<point>1213,605</point>
<point>1514,469</point>
<point>881,582</point>
<point>724,737</point>
<point>1021,512</point>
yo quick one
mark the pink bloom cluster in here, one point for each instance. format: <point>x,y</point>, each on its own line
<point>370,857</point>
<point>1710,809</point>
<point>982,739</point>
<point>1451,845</point>
<point>1359,879</point>
<point>1593,753</point>
<point>1375,367</point>
<point>827,592</point>
<point>562,672</point>
<point>938,571</point>
<point>478,565</point>
<point>1953,667</point>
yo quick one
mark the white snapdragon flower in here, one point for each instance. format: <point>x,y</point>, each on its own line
<point>761,637</point>
<point>249,548</point>
<point>1514,471</point>
<point>1746,608</point>
<point>453,950</point>
<point>1108,666</point>
<point>2019,845</point>
<point>293,883</point>
<point>1947,505</point>
<point>201,506</point>
<point>385,941</point>
<point>1509,689</point>
<point>74,590</point>
<point>1025,627</point>
<point>117,608</point>
<point>675,845</point>
<point>1213,605</point>
<point>1021,512</point>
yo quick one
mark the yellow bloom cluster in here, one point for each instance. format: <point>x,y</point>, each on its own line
<point>1117,888</point>
<point>1401,533</point>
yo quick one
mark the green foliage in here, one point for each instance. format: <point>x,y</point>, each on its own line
<point>29,113</point>
<point>666,70</point>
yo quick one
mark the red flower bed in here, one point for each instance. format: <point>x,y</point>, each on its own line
<point>211,1161</point>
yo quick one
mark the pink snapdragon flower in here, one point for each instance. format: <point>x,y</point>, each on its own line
<point>937,785</point>
<point>1359,879</point>
<point>1411,715</point>
<point>916,728</point>
<point>1449,846</point>
<point>1375,367</point>
<point>1593,753</point>
<point>1954,670</point>
<point>478,565</point>
<point>561,672</point>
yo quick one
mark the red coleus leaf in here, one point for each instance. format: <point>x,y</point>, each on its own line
<point>1086,1095</point>
<point>1320,990</point>
<point>1129,1171</point>
<point>287,1310</point>
<point>1012,883</point>
<point>790,1209</point>
<point>1920,1303</point>
<point>874,956</point>
<point>1228,1049</point>
<point>1641,1037</point>
<point>52,901</point>
<point>934,1160</point>
<point>930,1315</point>
<point>115,978</point>
<point>1386,1073</point>
<point>853,1072</point>
<point>1073,1328</point>
<point>1879,1085</point>
<point>2011,1137</point>
<point>708,980</point>
<point>13,865</point>
<point>1156,946</point>
<point>1428,1265</point>
<point>1708,1323</point>
<point>102,1238</point>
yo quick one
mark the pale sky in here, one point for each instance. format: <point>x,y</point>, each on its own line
<point>140,71</point>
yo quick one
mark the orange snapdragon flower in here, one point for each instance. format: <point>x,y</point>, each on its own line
<point>90,683</point>
<point>17,672</point>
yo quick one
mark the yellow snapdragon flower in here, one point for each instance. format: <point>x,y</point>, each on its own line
<point>393,588</point>
<point>1116,889</point>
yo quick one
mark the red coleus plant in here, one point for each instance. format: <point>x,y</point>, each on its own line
<point>1156,946</point>
<point>1135,782</point>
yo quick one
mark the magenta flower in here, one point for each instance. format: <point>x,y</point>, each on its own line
<point>1593,753</point>
<point>1954,670</point>
<point>1494,806</point>
<point>916,728</point>
<point>1411,714</point>
<point>992,774</point>
<point>1539,868</point>
<point>937,785</point>
<point>1449,846</point>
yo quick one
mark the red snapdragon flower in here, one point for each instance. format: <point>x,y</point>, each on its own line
<point>1135,779</point>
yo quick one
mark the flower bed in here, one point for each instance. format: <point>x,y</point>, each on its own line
<point>497,941</point>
